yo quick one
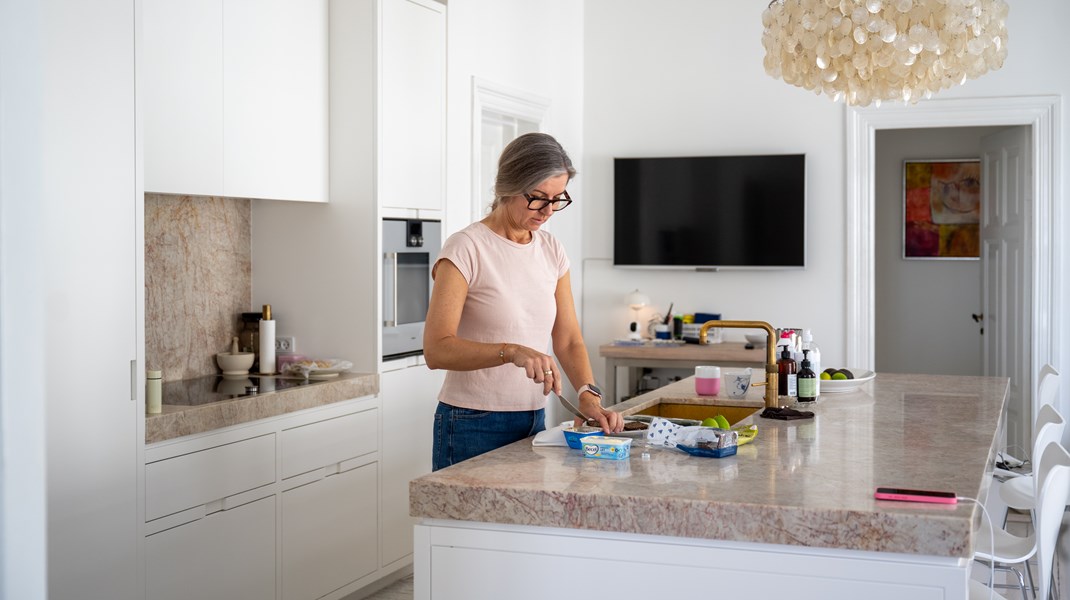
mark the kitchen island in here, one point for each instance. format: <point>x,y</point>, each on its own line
<point>792,512</point>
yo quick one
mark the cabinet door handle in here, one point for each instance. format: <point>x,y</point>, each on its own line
<point>133,380</point>
<point>392,321</point>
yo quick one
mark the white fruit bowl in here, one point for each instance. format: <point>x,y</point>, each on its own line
<point>842,386</point>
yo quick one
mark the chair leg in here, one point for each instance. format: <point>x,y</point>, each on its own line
<point>1029,573</point>
<point>1017,575</point>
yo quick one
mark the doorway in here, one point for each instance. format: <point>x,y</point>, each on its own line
<point>926,310</point>
<point>499,115</point>
<point>1036,112</point>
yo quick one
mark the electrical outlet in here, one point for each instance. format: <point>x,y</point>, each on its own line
<point>285,343</point>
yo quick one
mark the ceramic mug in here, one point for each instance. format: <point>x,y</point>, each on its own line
<point>737,384</point>
<point>707,380</point>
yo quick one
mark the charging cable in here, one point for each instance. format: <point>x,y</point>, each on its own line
<point>991,545</point>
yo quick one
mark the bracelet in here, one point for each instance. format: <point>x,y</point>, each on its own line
<point>501,353</point>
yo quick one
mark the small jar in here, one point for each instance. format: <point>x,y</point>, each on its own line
<point>707,380</point>
<point>249,337</point>
<point>661,332</point>
<point>153,392</point>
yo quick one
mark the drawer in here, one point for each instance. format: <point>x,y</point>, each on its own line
<point>182,482</point>
<point>329,442</point>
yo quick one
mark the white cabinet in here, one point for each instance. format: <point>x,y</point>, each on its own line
<point>412,105</point>
<point>409,397</point>
<point>236,98</point>
<point>198,478</point>
<point>227,555</point>
<point>287,505</point>
<point>330,521</point>
<point>329,533</point>
<point>275,99</point>
<point>182,93</point>
<point>70,201</point>
<point>211,522</point>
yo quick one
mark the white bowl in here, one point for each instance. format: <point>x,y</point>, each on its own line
<point>735,385</point>
<point>842,386</point>
<point>758,339</point>
<point>235,363</point>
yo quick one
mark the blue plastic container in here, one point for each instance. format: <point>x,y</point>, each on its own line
<point>573,437</point>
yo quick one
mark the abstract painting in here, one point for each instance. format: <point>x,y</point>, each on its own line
<point>942,209</point>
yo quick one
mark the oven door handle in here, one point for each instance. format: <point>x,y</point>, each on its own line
<point>392,321</point>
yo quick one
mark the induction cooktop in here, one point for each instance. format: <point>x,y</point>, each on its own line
<point>214,388</point>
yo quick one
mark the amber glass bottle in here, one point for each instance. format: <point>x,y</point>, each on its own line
<point>786,384</point>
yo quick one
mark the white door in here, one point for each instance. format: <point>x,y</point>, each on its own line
<point>1006,278</point>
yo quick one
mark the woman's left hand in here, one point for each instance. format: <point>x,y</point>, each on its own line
<point>609,421</point>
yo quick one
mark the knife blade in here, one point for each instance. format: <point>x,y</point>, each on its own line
<point>571,407</point>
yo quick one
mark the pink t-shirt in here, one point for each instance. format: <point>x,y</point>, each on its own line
<point>510,299</point>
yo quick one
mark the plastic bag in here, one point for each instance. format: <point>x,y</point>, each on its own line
<point>317,368</point>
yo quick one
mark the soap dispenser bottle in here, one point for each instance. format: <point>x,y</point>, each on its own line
<point>815,357</point>
<point>807,379</point>
<point>786,381</point>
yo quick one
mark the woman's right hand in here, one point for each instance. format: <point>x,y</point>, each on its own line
<point>539,367</point>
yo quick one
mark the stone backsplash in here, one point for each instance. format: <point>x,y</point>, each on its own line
<point>198,280</point>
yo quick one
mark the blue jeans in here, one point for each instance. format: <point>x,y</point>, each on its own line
<point>461,433</point>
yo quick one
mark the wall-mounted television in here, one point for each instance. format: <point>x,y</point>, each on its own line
<point>710,212</point>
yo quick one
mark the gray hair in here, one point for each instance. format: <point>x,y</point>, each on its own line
<point>528,161</point>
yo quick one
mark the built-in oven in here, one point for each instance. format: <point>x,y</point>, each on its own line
<point>410,249</point>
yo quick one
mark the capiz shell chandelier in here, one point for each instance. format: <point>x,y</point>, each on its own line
<point>864,51</point>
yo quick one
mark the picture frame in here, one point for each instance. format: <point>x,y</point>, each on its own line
<point>942,209</point>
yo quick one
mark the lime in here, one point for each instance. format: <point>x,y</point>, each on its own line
<point>825,375</point>
<point>722,422</point>
<point>710,422</point>
<point>839,376</point>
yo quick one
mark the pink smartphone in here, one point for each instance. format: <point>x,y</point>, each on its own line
<point>902,495</point>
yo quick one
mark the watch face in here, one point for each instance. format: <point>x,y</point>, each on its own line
<point>594,388</point>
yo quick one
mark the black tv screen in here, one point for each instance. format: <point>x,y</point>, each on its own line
<point>710,212</point>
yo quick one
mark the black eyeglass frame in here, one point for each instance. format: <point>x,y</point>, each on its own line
<point>548,201</point>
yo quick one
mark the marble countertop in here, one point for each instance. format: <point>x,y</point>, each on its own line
<point>210,403</point>
<point>803,483</point>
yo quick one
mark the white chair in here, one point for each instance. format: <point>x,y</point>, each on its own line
<point>1053,470</point>
<point>1047,394</point>
<point>1019,492</point>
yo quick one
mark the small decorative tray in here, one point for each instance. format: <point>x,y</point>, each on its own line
<point>708,452</point>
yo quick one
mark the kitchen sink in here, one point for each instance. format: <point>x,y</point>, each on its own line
<point>676,410</point>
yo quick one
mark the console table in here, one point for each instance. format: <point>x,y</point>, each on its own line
<point>683,356</point>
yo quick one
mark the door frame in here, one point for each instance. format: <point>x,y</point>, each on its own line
<point>497,98</point>
<point>1041,114</point>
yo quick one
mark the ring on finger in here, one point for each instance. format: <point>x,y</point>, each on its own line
<point>547,372</point>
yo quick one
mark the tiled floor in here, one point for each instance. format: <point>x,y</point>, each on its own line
<point>399,590</point>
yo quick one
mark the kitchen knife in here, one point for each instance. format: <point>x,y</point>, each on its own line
<point>570,406</point>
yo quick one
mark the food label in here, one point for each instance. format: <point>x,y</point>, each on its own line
<point>607,447</point>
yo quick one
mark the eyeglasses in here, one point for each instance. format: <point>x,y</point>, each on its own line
<point>555,204</point>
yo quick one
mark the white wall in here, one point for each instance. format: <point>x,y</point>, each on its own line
<point>923,307</point>
<point>528,46</point>
<point>686,77</point>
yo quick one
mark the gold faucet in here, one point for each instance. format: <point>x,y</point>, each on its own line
<point>771,370</point>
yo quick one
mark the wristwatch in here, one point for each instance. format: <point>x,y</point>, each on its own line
<point>589,387</point>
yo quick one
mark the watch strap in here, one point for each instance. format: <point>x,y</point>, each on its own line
<point>589,387</point>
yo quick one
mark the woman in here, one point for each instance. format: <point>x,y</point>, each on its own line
<point>501,293</point>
